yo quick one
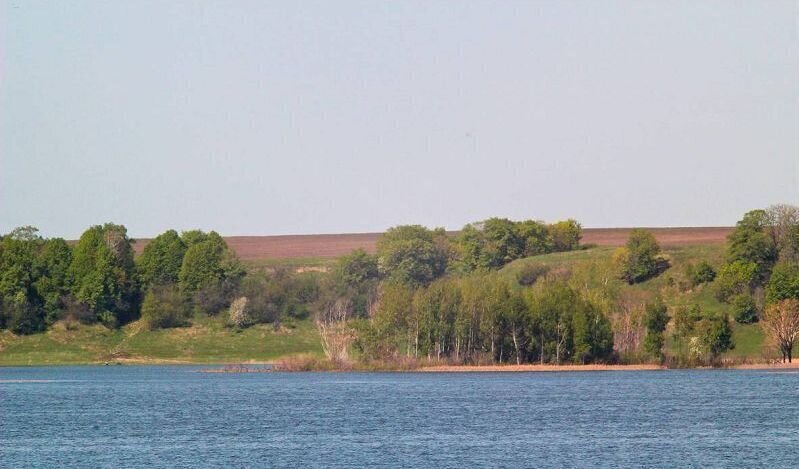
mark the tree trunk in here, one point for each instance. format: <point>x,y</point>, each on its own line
<point>516,346</point>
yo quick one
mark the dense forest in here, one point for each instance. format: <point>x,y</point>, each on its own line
<point>424,295</point>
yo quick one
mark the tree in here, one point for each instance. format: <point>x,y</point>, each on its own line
<point>210,272</point>
<point>104,273</point>
<point>750,242</point>
<point>783,221</point>
<point>164,307</point>
<point>354,278</point>
<point>744,309</point>
<point>161,259</point>
<point>717,336</point>
<point>639,259</point>
<point>783,283</point>
<point>656,318</point>
<point>735,278</point>
<point>565,235</point>
<point>781,323</point>
<point>412,254</point>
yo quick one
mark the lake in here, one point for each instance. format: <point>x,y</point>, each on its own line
<point>173,416</point>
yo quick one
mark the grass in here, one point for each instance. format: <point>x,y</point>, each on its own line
<point>206,341</point>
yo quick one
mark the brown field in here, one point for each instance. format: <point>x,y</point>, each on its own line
<point>328,246</point>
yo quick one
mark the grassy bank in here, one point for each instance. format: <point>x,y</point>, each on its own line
<point>206,341</point>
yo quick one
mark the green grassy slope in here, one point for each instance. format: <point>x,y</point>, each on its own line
<point>206,341</point>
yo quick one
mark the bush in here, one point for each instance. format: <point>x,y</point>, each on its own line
<point>700,273</point>
<point>734,279</point>
<point>744,309</point>
<point>239,316</point>
<point>529,273</point>
<point>164,307</point>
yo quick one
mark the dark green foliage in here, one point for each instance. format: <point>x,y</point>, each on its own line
<point>104,273</point>
<point>210,271</point>
<point>161,260</point>
<point>271,298</point>
<point>353,283</point>
<point>412,254</point>
<point>164,307</point>
<point>700,273</point>
<point>656,318</point>
<point>34,280</point>
<point>717,336</point>
<point>493,243</point>
<point>744,309</point>
<point>750,242</point>
<point>529,273</point>
<point>783,283</point>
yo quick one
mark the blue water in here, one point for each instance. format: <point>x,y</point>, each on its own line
<point>166,416</point>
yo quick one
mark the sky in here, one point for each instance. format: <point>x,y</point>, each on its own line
<point>262,118</point>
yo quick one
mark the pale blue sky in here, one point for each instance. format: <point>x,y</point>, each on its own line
<point>309,117</point>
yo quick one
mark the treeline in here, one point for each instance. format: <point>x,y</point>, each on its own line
<point>98,280</point>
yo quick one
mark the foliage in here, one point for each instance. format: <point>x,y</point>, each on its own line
<point>238,314</point>
<point>104,273</point>
<point>700,273</point>
<point>210,271</point>
<point>717,336</point>
<point>744,309</point>
<point>783,283</point>
<point>639,260</point>
<point>565,235</point>
<point>656,318</point>
<point>529,273</point>
<point>161,260</point>
<point>412,254</point>
<point>164,307</point>
<point>493,243</point>
<point>750,243</point>
<point>735,278</point>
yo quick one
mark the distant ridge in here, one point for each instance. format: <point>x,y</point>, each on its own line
<point>334,245</point>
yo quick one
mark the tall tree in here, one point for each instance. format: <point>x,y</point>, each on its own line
<point>104,273</point>
<point>412,254</point>
<point>161,259</point>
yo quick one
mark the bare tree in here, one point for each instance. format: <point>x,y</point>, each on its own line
<point>628,322</point>
<point>781,323</point>
<point>784,219</point>
<point>334,332</point>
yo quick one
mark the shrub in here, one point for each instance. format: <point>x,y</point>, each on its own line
<point>734,279</point>
<point>744,309</point>
<point>239,316</point>
<point>164,307</point>
<point>700,273</point>
<point>529,273</point>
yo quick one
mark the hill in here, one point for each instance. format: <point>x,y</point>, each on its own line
<point>329,246</point>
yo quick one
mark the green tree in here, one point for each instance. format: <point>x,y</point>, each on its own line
<point>717,336</point>
<point>566,235</point>
<point>161,259</point>
<point>735,278</point>
<point>750,242</point>
<point>783,283</point>
<point>744,309</point>
<point>210,272</point>
<point>656,318</point>
<point>639,259</point>
<point>54,282</point>
<point>104,273</point>
<point>412,254</point>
